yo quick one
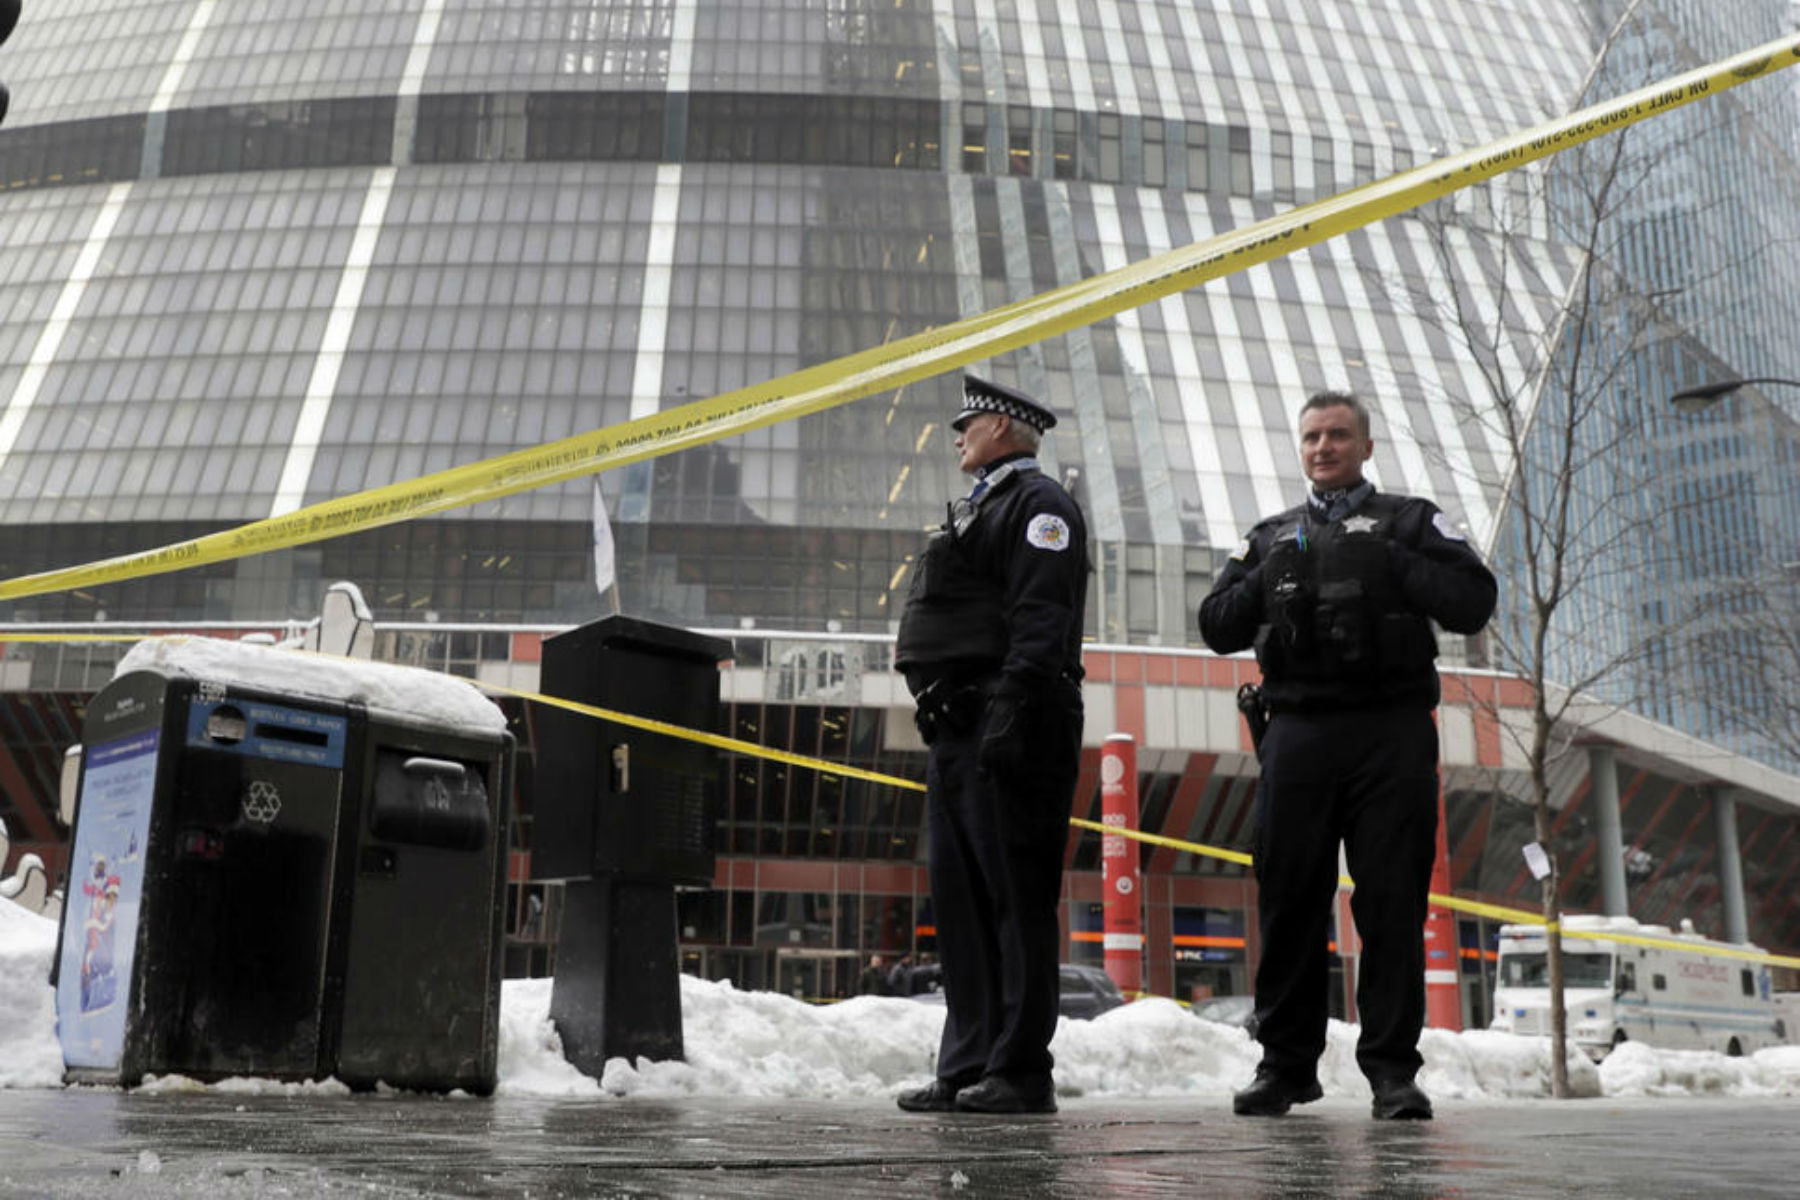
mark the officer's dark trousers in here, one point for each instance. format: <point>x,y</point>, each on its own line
<point>1368,779</point>
<point>996,879</point>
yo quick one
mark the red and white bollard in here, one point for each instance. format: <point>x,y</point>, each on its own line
<point>1122,910</point>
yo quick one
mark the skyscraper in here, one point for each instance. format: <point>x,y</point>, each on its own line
<point>256,256</point>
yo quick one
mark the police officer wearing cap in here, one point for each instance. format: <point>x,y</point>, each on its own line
<point>1337,596</point>
<point>990,645</point>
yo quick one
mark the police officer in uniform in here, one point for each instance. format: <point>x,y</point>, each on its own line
<point>1337,595</point>
<point>990,645</point>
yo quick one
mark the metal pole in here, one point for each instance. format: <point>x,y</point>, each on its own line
<point>1731,866</point>
<point>1603,771</point>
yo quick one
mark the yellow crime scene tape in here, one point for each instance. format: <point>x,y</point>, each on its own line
<point>717,741</point>
<point>908,360</point>
<point>732,745</point>
<point>921,355</point>
<point>1157,839</point>
<point>735,745</point>
<point>1517,916</point>
<point>1477,908</point>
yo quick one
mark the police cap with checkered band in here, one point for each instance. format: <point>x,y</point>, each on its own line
<point>981,396</point>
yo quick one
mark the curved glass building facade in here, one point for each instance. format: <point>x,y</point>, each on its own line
<point>257,255</point>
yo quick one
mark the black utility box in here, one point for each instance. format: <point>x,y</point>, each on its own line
<point>282,884</point>
<point>622,816</point>
<point>612,799</point>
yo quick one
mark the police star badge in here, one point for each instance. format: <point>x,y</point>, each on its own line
<point>1360,524</point>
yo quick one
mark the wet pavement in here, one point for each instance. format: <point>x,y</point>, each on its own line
<point>88,1143</point>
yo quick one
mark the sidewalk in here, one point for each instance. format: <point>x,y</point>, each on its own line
<point>88,1143</point>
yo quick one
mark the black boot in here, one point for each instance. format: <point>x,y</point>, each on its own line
<point>1399,1100</point>
<point>1271,1094</point>
<point>996,1095</point>
<point>938,1096</point>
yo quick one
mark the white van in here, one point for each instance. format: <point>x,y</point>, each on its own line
<point>1628,982</point>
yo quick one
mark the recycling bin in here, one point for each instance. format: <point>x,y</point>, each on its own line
<point>286,868</point>
<point>622,817</point>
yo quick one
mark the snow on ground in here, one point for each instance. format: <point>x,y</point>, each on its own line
<point>29,1054</point>
<point>766,1044</point>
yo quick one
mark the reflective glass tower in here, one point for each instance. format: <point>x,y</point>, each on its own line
<point>256,255</point>
<point>1690,592</point>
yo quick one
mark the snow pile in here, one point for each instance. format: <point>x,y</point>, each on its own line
<point>1151,1048</point>
<point>1482,1063</point>
<point>762,1044</point>
<point>531,1053</point>
<point>767,1044</point>
<point>29,1054</point>
<point>770,1045</point>
<point>1634,1069</point>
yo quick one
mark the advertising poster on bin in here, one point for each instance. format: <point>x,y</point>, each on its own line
<point>106,890</point>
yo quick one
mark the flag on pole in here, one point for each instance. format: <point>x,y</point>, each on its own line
<point>603,548</point>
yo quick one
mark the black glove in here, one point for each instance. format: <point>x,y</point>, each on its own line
<point>1288,599</point>
<point>1284,569</point>
<point>943,710</point>
<point>1003,749</point>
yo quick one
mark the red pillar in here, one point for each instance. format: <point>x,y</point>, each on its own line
<point>1122,907</point>
<point>1349,949</point>
<point>1443,959</point>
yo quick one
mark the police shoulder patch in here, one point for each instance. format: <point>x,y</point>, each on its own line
<point>1243,550</point>
<point>1447,531</point>
<point>1047,531</point>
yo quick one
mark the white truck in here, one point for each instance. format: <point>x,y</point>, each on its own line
<point>1647,983</point>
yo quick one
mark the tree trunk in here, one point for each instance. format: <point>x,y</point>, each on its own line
<point>1559,1018</point>
<point>1559,1021</point>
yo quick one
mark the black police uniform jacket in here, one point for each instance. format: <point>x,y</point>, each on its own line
<point>1000,589</point>
<point>1339,611</point>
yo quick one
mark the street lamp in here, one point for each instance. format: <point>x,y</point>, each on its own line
<point>1702,397</point>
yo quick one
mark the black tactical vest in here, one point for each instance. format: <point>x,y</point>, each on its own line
<point>1337,628</point>
<point>953,610</point>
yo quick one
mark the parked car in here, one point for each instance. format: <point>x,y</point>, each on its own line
<point>1086,991</point>
<point>1229,1010</point>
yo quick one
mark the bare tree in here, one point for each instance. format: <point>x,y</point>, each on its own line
<point>1535,282</point>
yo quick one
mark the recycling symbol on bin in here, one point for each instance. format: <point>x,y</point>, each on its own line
<point>261,802</point>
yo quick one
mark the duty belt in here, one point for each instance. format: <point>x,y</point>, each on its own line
<point>946,707</point>
<point>953,704</point>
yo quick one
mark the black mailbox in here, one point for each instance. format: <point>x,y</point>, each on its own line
<point>622,816</point>
<point>283,884</point>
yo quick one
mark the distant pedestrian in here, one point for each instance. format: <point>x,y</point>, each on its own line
<point>899,979</point>
<point>874,979</point>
